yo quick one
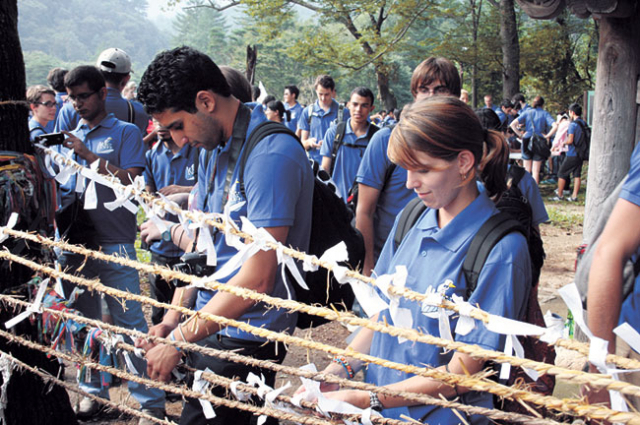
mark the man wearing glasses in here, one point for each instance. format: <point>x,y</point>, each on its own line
<point>115,66</point>
<point>117,147</point>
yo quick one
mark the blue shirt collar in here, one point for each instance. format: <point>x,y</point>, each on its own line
<point>463,226</point>
<point>107,122</point>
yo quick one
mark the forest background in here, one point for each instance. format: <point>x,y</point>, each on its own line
<point>360,43</point>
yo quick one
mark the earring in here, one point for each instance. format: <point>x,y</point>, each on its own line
<point>463,176</point>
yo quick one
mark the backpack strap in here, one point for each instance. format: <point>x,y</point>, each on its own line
<point>408,218</point>
<point>132,113</point>
<point>337,142</point>
<point>491,232</point>
<point>309,115</point>
<point>238,136</point>
<point>261,132</point>
<point>340,114</point>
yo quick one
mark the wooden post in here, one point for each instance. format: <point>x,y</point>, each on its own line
<point>615,110</point>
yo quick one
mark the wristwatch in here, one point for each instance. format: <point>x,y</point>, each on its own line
<point>374,402</point>
<point>166,235</point>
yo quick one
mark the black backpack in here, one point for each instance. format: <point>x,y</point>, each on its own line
<point>583,144</point>
<point>330,225</point>
<point>515,216</point>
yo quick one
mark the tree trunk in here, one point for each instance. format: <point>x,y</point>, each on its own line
<point>14,112</point>
<point>615,110</point>
<point>252,59</point>
<point>29,399</point>
<point>387,98</point>
<point>510,49</point>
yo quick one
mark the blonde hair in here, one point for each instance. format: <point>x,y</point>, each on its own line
<point>34,93</point>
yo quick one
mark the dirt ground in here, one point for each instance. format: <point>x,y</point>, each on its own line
<point>561,238</point>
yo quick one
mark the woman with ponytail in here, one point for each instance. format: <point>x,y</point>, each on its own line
<point>445,150</point>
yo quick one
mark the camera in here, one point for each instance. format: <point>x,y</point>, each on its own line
<point>195,264</point>
<point>50,139</point>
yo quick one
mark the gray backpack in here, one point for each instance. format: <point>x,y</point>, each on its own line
<point>586,252</point>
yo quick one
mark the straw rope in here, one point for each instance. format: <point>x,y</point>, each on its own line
<point>226,355</point>
<point>219,401</point>
<point>47,377</point>
<point>574,376</point>
<point>570,406</point>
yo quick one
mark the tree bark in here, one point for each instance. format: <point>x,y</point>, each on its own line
<point>510,49</point>
<point>252,59</point>
<point>14,112</point>
<point>387,98</point>
<point>615,110</point>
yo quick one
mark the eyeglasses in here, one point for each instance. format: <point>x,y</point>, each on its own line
<point>81,96</point>
<point>436,91</point>
<point>47,104</point>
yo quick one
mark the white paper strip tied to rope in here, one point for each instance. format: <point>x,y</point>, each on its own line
<point>400,317</point>
<point>268,394</point>
<point>366,294</point>
<point>11,223</point>
<point>201,386</point>
<point>65,164</point>
<point>205,241</point>
<point>33,308</point>
<point>6,368</point>
<point>91,195</point>
<point>326,405</point>
<point>124,195</point>
<point>110,342</point>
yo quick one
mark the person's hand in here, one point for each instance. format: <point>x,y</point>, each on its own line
<point>161,360</point>
<point>324,387</point>
<point>174,188</point>
<point>149,232</point>
<point>162,330</point>
<point>78,146</point>
<point>312,143</point>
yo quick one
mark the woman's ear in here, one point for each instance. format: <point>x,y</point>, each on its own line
<point>206,101</point>
<point>466,162</point>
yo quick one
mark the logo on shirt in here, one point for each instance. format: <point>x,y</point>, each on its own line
<point>189,172</point>
<point>445,289</point>
<point>106,146</point>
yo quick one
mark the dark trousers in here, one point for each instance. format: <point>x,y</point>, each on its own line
<point>161,290</point>
<point>192,411</point>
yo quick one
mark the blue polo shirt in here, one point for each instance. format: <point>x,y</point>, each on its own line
<point>576,130</point>
<point>536,120</point>
<point>530,190</point>
<point>296,111</point>
<point>163,169</point>
<point>394,194</point>
<point>321,120</point>
<point>279,190</point>
<point>501,115</point>
<point>120,143</point>
<point>631,192</point>
<point>68,118</point>
<point>35,129</point>
<point>348,156</point>
<point>434,256</point>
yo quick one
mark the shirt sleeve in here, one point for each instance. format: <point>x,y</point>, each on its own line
<point>375,162</point>
<point>326,149</point>
<point>530,190</point>
<point>148,170</point>
<point>572,128</point>
<point>272,196</point>
<point>132,148</point>
<point>631,188</point>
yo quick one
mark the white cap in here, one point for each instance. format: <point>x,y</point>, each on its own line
<point>114,60</point>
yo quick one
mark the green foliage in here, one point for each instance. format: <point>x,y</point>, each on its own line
<point>558,58</point>
<point>76,31</point>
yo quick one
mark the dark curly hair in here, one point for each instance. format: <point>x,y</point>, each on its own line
<point>174,77</point>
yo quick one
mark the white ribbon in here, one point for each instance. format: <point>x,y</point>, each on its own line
<point>35,307</point>
<point>110,341</point>
<point>229,225</point>
<point>201,386</point>
<point>239,395</point>
<point>205,242</point>
<point>466,323</point>
<point>66,165</point>
<point>289,263</point>
<point>123,196</point>
<point>91,195</point>
<point>13,220</point>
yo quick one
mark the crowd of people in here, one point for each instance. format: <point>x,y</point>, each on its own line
<point>184,126</point>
